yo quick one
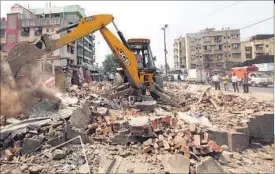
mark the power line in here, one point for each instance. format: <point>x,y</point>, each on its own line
<point>222,8</point>
<point>257,23</point>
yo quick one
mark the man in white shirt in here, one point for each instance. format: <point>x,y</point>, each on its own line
<point>216,80</point>
<point>234,80</point>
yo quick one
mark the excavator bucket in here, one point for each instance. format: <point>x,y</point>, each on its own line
<point>21,54</point>
<point>25,71</point>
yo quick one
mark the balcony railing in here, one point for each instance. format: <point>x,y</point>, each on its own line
<point>259,51</point>
<point>40,22</point>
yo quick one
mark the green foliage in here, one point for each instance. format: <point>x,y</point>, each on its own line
<point>110,63</point>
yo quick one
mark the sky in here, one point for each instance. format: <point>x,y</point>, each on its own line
<point>146,18</point>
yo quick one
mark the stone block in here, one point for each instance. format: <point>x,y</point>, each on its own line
<point>176,163</point>
<point>208,165</point>
<point>238,141</point>
<point>219,137</point>
<point>29,145</point>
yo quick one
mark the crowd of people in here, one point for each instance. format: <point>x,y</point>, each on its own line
<point>216,79</point>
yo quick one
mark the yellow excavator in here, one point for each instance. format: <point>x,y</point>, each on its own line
<point>131,79</point>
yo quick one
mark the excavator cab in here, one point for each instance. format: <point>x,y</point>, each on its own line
<point>142,50</point>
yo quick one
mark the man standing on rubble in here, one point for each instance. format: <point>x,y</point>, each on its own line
<point>245,83</point>
<point>235,82</point>
<point>216,80</point>
<point>225,82</point>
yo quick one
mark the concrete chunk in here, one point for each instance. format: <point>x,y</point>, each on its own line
<point>146,105</point>
<point>238,141</point>
<point>208,165</point>
<point>81,117</point>
<point>176,163</point>
<point>29,145</point>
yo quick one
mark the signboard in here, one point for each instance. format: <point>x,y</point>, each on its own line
<point>265,66</point>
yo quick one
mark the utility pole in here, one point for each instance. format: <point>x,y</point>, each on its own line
<point>165,51</point>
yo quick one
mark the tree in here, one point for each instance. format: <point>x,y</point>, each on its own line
<point>110,63</point>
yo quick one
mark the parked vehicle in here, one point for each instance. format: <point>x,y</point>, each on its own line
<point>241,71</point>
<point>259,79</point>
<point>196,76</point>
<point>173,75</point>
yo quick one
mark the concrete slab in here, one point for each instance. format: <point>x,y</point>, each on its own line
<point>176,163</point>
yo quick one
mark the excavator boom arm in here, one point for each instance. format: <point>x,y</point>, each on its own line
<point>98,22</point>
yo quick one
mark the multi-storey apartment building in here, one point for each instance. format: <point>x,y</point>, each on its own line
<point>179,53</point>
<point>258,45</point>
<point>213,49</point>
<point>29,24</point>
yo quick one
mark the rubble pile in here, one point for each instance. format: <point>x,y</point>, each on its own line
<point>216,105</point>
<point>103,136</point>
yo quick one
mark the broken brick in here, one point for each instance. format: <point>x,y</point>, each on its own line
<point>213,145</point>
<point>173,122</point>
<point>193,128</point>
<point>197,140</point>
<point>166,145</point>
<point>147,149</point>
<point>107,130</point>
<point>120,124</point>
<point>156,146</point>
<point>186,151</point>
<point>103,111</point>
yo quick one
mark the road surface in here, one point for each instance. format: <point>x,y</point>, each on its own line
<point>269,89</point>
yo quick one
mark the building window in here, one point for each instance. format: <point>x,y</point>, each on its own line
<point>38,31</point>
<point>236,55</point>
<point>25,31</point>
<point>235,45</point>
<point>2,32</point>
<point>266,46</point>
<point>225,46</point>
<point>11,38</point>
<point>2,47</point>
<point>192,48</point>
<point>235,36</point>
<point>228,37</point>
<point>12,21</point>
<point>207,48</point>
<point>47,30</point>
<point>228,46</point>
<point>217,38</point>
<point>207,39</point>
<point>219,56</point>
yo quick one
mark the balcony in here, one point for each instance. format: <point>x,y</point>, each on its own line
<point>40,22</point>
<point>259,51</point>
